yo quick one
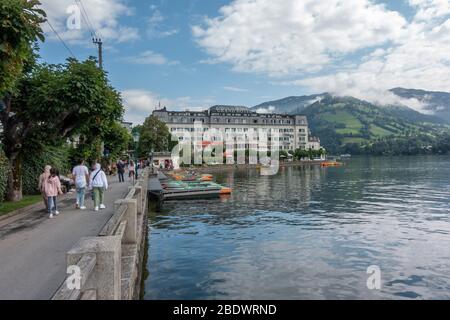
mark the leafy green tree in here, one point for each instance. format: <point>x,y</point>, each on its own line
<point>321,152</point>
<point>117,140</point>
<point>300,154</point>
<point>19,30</point>
<point>154,136</point>
<point>54,103</point>
<point>283,154</point>
<point>83,148</point>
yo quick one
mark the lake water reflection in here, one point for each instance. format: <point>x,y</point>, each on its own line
<point>309,233</point>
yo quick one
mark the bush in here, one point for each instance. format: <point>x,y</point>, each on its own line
<point>33,166</point>
<point>4,171</point>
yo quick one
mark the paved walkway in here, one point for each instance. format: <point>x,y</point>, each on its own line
<point>33,248</point>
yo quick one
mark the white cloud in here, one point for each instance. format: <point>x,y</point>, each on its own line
<point>323,40</point>
<point>269,109</point>
<point>103,15</point>
<point>150,57</point>
<point>156,27</point>
<point>293,36</point>
<point>139,104</point>
<point>430,9</point>
<point>234,89</point>
<point>421,60</point>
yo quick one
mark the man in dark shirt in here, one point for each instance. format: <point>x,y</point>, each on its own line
<point>121,170</point>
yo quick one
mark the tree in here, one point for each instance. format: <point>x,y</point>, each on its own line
<point>19,30</point>
<point>154,136</point>
<point>54,103</point>
<point>321,152</point>
<point>300,154</point>
<point>117,140</point>
<point>283,154</point>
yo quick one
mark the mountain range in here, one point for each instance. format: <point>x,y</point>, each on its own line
<point>344,123</point>
<point>437,103</point>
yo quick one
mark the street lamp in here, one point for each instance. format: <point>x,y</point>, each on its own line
<point>136,137</point>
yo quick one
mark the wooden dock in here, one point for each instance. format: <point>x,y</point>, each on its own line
<point>155,189</point>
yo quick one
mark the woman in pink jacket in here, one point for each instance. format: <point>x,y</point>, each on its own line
<point>52,188</point>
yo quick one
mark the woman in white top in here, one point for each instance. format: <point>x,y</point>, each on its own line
<point>80,176</point>
<point>98,184</point>
<point>132,171</point>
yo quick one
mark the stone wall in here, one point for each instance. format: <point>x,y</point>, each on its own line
<point>109,266</point>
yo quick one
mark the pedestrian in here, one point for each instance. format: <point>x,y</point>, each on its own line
<point>132,171</point>
<point>98,183</point>
<point>81,177</point>
<point>52,188</point>
<point>121,170</point>
<point>42,178</point>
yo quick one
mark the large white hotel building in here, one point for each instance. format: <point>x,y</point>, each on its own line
<point>292,131</point>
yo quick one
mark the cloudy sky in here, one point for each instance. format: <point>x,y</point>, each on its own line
<point>191,54</point>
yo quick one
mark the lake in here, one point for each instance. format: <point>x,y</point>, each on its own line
<point>309,233</point>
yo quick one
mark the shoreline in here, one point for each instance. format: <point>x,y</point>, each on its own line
<point>231,167</point>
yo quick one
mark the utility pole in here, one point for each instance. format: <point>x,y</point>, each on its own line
<point>99,43</point>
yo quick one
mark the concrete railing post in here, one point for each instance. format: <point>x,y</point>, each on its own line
<point>130,236</point>
<point>139,195</point>
<point>106,276</point>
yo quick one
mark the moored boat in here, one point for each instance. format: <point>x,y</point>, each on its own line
<point>331,164</point>
<point>185,189</point>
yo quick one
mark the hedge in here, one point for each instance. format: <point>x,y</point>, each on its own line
<point>4,171</point>
<point>33,166</point>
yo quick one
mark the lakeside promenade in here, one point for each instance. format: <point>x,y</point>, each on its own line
<point>33,248</point>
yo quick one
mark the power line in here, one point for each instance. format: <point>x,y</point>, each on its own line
<point>86,18</point>
<point>95,39</point>
<point>60,39</point>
